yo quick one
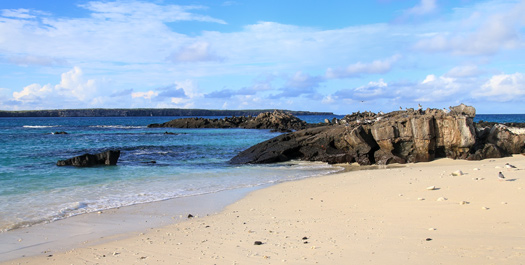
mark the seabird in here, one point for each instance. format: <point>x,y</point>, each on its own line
<point>501,177</point>
<point>509,166</point>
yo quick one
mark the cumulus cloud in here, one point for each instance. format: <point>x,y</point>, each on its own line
<point>435,89</point>
<point>359,68</point>
<point>195,52</point>
<point>73,88</point>
<point>503,88</point>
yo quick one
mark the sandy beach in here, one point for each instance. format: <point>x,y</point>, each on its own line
<point>411,214</point>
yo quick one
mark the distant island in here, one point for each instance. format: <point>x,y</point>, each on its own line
<point>144,112</point>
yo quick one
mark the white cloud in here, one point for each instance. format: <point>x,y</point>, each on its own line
<point>503,88</point>
<point>424,7</point>
<point>372,89</point>
<point>73,83</point>
<point>146,95</point>
<point>435,89</point>
<point>464,71</point>
<point>72,88</point>
<point>482,33</point>
<point>17,13</point>
<point>196,52</point>
<point>33,92</point>
<point>123,10</point>
<point>359,68</point>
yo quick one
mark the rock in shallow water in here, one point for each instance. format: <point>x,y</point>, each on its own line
<point>88,160</point>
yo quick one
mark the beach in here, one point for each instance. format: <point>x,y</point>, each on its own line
<point>423,213</point>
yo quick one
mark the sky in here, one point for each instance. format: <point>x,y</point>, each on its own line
<point>335,56</point>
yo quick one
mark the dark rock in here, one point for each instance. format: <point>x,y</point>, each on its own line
<point>277,121</point>
<point>87,160</point>
<point>257,243</point>
<point>190,216</point>
<point>397,137</point>
<point>60,133</point>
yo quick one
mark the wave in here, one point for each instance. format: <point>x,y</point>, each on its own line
<point>118,126</point>
<point>40,126</point>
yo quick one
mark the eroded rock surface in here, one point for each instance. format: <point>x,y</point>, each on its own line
<point>396,137</point>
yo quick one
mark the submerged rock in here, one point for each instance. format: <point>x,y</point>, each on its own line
<point>87,160</point>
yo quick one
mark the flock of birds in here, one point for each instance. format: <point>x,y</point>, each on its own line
<point>508,166</point>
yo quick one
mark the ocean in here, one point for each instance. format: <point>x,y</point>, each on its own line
<point>189,162</point>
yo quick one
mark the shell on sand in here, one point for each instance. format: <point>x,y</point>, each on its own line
<point>431,188</point>
<point>440,199</point>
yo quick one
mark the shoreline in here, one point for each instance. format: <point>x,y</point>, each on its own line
<point>367,216</point>
<point>111,224</point>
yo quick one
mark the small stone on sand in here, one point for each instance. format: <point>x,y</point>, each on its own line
<point>484,208</point>
<point>476,169</point>
<point>463,202</point>
<point>431,188</point>
<point>457,173</point>
<point>440,199</point>
<point>257,243</point>
<point>420,199</point>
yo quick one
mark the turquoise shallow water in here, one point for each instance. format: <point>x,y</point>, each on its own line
<point>190,162</point>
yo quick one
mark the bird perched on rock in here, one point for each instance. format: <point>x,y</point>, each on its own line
<point>501,177</point>
<point>509,166</point>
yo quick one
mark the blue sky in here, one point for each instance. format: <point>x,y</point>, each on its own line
<point>338,56</point>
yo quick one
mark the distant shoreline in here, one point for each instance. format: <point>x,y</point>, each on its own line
<point>144,112</point>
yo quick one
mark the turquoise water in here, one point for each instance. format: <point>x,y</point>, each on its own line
<point>190,162</point>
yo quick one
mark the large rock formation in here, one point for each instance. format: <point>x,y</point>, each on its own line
<point>277,120</point>
<point>87,160</point>
<point>396,137</point>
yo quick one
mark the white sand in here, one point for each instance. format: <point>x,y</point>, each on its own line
<point>384,216</point>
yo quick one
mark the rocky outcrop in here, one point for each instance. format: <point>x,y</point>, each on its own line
<point>87,160</point>
<point>277,120</point>
<point>396,137</point>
